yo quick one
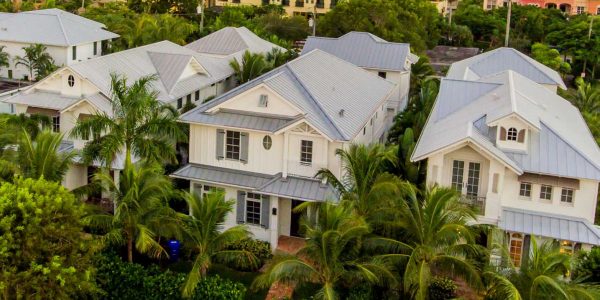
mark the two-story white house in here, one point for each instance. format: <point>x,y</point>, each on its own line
<point>519,153</point>
<point>391,61</point>
<point>68,38</point>
<point>264,141</point>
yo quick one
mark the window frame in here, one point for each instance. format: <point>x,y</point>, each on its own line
<point>74,53</point>
<point>519,240</point>
<point>306,152</point>
<point>256,200</point>
<point>230,153</point>
<point>95,48</point>
<point>56,123</point>
<point>197,95</point>
<point>543,191</point>
<point>512,134</point>
<point>525,188</point>
<point>563,196</point>
<point>267,142</point>
<point>71,80</point>
<point>179,103</point>
<point>382,74</point>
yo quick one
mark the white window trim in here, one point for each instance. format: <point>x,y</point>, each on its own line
<point>260,216</point>
<point>572,203</point>
<point>544,200</point>
<point>239,145</point>
<point>528,198</point>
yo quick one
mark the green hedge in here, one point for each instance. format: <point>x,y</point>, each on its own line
<point>122,280</point>
<point>442,288</point>
<point>260,249</point>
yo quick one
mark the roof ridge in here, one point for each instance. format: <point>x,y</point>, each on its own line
<point>530,61</point>
<point>62,27</point>
<point>311,95</point>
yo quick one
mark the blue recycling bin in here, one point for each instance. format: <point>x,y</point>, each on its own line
<point>174,246</point>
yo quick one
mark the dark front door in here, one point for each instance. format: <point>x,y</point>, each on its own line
<point>295,219</point>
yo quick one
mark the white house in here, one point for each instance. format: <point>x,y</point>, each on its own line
<point>391,61</point>
<point>68,38</point>
<point>519,153</point>
<point>263,142</point>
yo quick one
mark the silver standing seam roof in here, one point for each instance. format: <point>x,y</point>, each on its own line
<point>560,144</point>
<point>364,50</point>
<point>53,27</point>
<point>295,187</point>
<point>549,225</point>
<point>320,85</point>
<point>503,59</point>
<point>232,40</point>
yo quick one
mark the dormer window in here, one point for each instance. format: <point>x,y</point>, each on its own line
<point>71,80</point>
<point>263,101</point>
<point>512,134</point>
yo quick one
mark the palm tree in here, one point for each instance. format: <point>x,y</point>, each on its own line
<point>136,32</point>
<point>364,184</point>
<point>587,98</point>
<point>37,158</point>
<point>252,66</point>
<point>435,239</point>
<point>205,235</point>
<point>142,212</point>
<point>276,57</point>
<point>36,59</point>
<point>420,71</point>
<point>542,276</point>
<point>172,28</point>
<point>4,57</point>
<point>140,125</point>
<point>331,257</point>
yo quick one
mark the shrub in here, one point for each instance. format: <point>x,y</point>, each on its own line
<point>122,280</point>
<point>260,249</point>
<point>588,266</point>
<point>442,288</point>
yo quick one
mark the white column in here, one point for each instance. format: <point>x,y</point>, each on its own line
<point>274,223</point>
<point>286,149</point>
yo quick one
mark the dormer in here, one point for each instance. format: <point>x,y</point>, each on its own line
<point>512,134</point>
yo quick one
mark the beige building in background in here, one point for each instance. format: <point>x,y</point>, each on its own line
<point>292,7</point>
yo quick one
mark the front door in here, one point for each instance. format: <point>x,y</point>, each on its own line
<point>466,177</point>
<point>295,219</point>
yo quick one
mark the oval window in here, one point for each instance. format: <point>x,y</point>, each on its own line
<point>267,142</point>
<point>71,80</point>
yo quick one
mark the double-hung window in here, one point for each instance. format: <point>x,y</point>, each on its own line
<point>253,202</point>
<point>56,123</point>
<point>525,190</point>
<point>546,192</point>
<point>232,145</point>
<point>566,196</point>
<point>306,152</point>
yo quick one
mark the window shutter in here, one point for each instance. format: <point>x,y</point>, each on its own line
<point>526,245</point>
<point>265,206</point>
<point>521,136</point>
<point>241,207</point>
<point>244,147</point>
<point>220,143</point>
<point>502,134</point>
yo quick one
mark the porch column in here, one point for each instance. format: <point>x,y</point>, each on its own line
<point>286,148</point>
<point>274,222</point>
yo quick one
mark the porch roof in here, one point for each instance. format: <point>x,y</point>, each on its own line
<point>549,225</point>
<point>295,187</point>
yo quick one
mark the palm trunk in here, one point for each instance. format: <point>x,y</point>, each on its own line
<point>130,249</point>
<point>203,271</point>
<point>127,156</point>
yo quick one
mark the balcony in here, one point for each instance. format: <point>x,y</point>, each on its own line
<point>299,3</point>
<point>475,202</point>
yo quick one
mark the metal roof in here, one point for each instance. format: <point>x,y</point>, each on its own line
<point>364,50</point>
<point>295,187</point>
<point>503,59</point>
<point>467,110</point>
<point>51,27</point>
<point>549,225</point>
<point>231,40</point>
<point>169,67</point>
<point>243,119</point>
<point>320,85</point>
<point>43,99</point>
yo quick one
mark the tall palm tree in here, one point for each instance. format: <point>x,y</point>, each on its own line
<point>4,57</point>
<point>331,257</point>
<point>587,98</point>
<point>137,31</point>
<point>542,276</point>
<point>173,28</point>
<point>252,66</point>
<point>435,239</point>
<point>142,212</point>
<point>205,235</point>
<point>36,59</point>
<point>140,125</point>
<point>364,184</point>
<point>420,71</point>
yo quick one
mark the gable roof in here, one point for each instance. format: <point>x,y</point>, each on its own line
<point>51,27</point>
<point>231,40</point>
<point>169,67</point>
<point>364,50</point>
<point>503,59</point>
<point>320,85</point>
<point>559,129</point>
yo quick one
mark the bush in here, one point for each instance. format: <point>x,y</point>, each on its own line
<point>260,249</point>
<point>442,288</point>
<point>122,280</point>
<point>588,266</point>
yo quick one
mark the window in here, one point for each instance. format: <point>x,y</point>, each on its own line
<point>598,10</point>
<point>458,169</point>
<point>516,248</point>
<point>525,190</point>
<point>179,103</point>
<point>382,74</point>
<point>56,123</point>
<point>189,99</point>
<point>197,95</point>
<point>71,80</point>
<point>566,196</point>
<point>512,134</point>
<point>208,189</point>
<point>10,75</point>
<point>263,101</point>
<point>253,208</point>
<point>364,130</point>
<point>580,9</point>
<point>95,48</point>
<point>74,50</point>
<point>306,151</point>
<point>267,142</point>
<point>546,192</point>
<point>566,247</point>
<point>232,145</point>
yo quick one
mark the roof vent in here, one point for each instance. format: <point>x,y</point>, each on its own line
<point>341,112</point>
